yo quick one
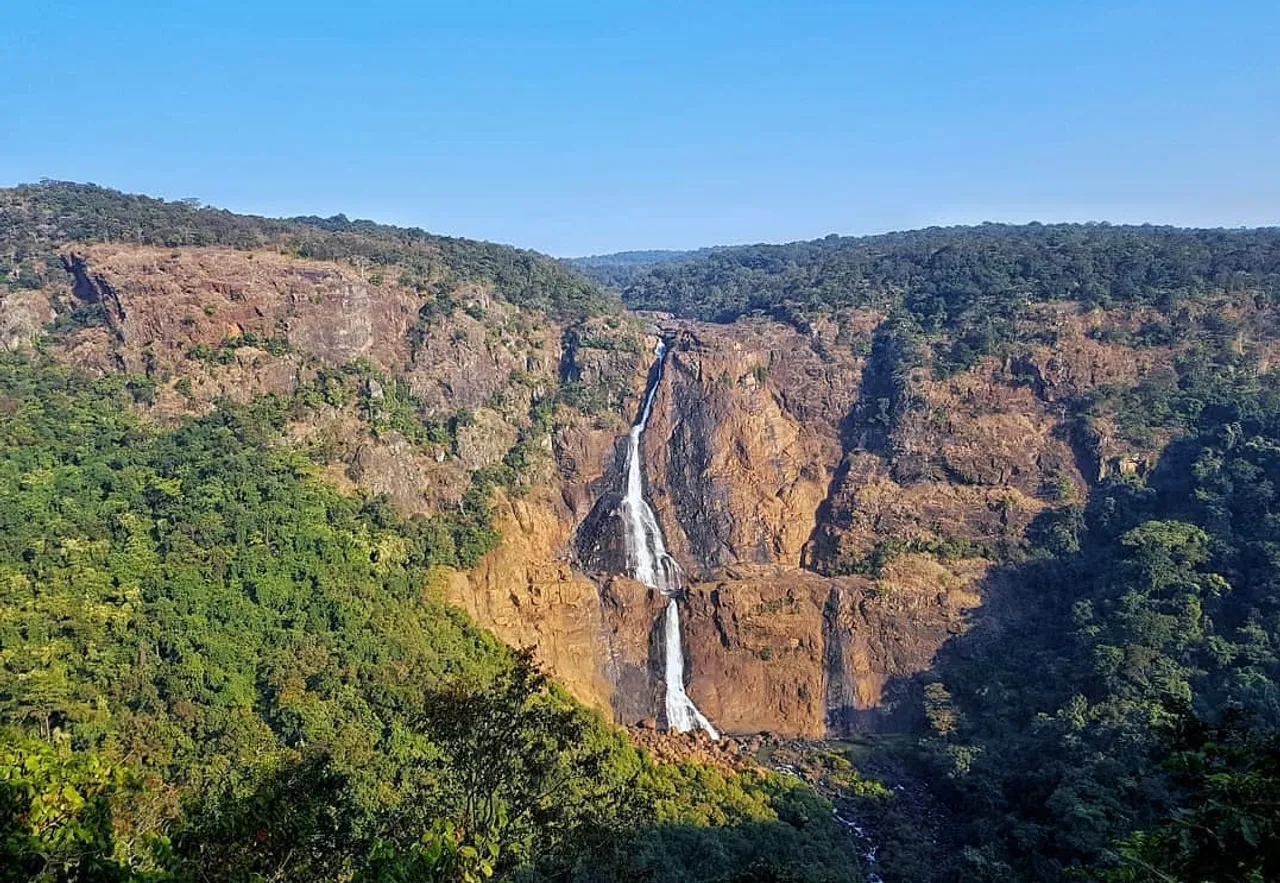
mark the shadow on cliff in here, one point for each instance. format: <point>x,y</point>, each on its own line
<point>1013,609</point>
<point>883,394</point>
<point>1027,602</point>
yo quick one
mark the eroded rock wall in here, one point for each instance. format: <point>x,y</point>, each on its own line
<point>743,440</point>
<point>835,508</point>
<point>769,456</point>
<point>531,597</point>
<point>789,651</point>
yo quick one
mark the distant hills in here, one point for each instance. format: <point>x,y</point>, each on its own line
<point>945,276</point>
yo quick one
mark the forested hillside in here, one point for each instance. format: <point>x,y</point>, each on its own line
<point>949,271</point>
<point>972,282</point>
<point>215,667</point>
<point>998,506</point>
<point>620,269</point>
<point>1115,712</point>
<point>1133,684</point>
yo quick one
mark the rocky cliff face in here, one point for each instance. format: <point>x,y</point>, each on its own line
<point>23,313</point>
<point>770,455</point>
<point>785,650</point>
<point>743,441</point>
<point>835,509</point>
<point>743,454</point>
<point>205,324</point>
<point>526,592</point>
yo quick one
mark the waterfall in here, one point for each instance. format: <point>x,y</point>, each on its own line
<point>682,714</point>
<point>651,565</point>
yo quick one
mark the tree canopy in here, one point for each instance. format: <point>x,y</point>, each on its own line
<point>951,276</point>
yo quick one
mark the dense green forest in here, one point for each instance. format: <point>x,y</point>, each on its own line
<point>972,283</point>
<point>37,219</point>
<point>947,272</point>
<point>215,667</point>
<point>1136,686</point>
<point>620,269</point>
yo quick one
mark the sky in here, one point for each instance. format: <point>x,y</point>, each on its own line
<point>589,126</point>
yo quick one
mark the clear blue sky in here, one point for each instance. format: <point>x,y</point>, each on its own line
<point>590,126</point>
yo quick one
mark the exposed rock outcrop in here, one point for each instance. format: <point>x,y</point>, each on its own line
<point>787,651</point>
<point>23,314</point>
<point>743,441</point>
<point>834,503</point>
<point>530,599</point>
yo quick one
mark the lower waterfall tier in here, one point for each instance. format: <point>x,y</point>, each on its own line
<point>682,714</point>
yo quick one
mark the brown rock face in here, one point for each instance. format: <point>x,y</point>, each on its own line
<point>745,441</point>
<point>784,650</point>
<point>162,303</point>
<point>772,462</point>
<point>764,461</point>
<point>742,442</point>
<point>530,599</point>
<point>23,313</point>
<point>634,648</point>
<point>834,513</point>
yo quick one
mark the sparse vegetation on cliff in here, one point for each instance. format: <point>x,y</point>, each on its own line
<point>37,219</point>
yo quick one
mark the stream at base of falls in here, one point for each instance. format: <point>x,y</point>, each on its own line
<point>843,816</point>
<point>866,846</point>
<point>652,566</point>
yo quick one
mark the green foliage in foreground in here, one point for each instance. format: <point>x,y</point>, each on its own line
<point>1229,831</point>
<point>215,667</point>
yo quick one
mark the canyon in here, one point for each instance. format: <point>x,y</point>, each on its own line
<point>779,458</point>
<point>907,557</point>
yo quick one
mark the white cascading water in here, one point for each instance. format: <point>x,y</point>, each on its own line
<point>652,566</point>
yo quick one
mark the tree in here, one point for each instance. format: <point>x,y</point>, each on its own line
<point>523,773</point>
<point>1228,828</point>
<point>56,815</point>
